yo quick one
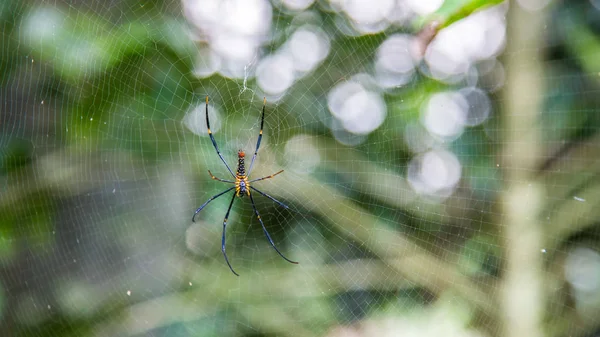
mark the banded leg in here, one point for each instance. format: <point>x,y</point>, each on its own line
<point>209,200</point>
<point>267,233</point>
<point>219,179</point>
<point>270,197</point>
<point>214,142</point>
<point>260,134</point>
<point>223,237</point>
<point>267,177</point>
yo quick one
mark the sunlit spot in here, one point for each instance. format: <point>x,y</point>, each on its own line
<point>44,24</point>
<point>234,30</point>
<point>360,111</point>
<point>195,120</point>
<point>308,47</point>
<point>394,64</point>
<point>235,48</point>
<point>367,12</point>
<point>401,14</point>
<point>297,5</point>
<point>84,56</point>
<point>434,173</point>
<point>445,115</point>
<point>422,7</point>
<point>275,74</point>
<point>457,47</point>
<point>582,272</point>
<point>479,105</point>
<point>366,16</point>
<point>303,52</point>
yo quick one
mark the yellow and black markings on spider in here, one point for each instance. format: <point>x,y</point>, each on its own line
<point>241,184</point>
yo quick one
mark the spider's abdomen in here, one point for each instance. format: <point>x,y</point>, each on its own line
<point>242,186</point>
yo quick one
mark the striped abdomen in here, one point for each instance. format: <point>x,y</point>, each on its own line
<point>242,187</point>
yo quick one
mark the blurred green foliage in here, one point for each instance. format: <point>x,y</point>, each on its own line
<point>72,122</point>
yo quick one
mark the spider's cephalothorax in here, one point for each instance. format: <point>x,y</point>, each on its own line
<point>241,185</point>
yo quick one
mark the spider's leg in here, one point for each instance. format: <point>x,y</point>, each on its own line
<point>214,142</point>
<point>223,238</point>
<point>267,233</point>
<point>262,123</point>
<point>270,197</point>
<point>267,177</point>
<point>209,200</point>
<point>219,179</point>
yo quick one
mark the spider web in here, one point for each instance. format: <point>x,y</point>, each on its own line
<point>440,168</point>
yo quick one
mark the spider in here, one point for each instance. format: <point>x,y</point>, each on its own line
<point>242,186</point>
